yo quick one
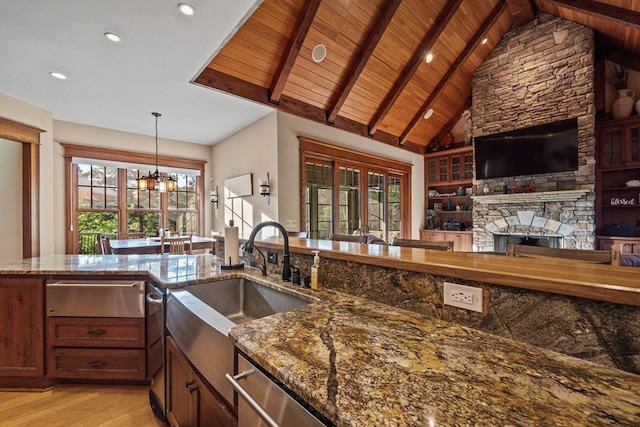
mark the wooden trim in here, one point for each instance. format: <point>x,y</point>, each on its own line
<point>300,31</point>
<point>430,39</point>
<point>468,50</point>
<point>235,86</point>
<point>19,132</point>
<point>72,150</point>
<point>30,200</point>
<point>621,16</point>
<point>521,11</point>
<point>29,136</point>
<point>332,152</point>
<point>361,59</point>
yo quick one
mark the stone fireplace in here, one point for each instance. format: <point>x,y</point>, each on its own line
<point>540,72</point>
<point>563,219</point>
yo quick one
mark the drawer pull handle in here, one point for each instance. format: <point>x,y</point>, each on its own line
<point>192,389</point>
<point>187,384</point>
<point>97,364</point>
<point>97,332</point>
<point>247,397</point>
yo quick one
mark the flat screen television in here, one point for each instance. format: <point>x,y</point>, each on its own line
<point>548,148</point>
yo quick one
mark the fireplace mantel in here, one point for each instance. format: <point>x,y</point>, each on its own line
<point>519,198</point>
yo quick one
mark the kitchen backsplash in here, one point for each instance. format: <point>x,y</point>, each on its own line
<point>601,332</point>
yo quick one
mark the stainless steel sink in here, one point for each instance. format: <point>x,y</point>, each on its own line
<point>240,300</point>
<point>199,318</point>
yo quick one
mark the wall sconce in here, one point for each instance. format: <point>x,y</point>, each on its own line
<point>265,190</point>
<point>213,196</point>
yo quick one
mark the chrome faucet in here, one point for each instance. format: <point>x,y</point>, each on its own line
<point>249,246</point>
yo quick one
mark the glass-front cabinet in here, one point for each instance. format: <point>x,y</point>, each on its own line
<point>448,179</point>
<point>618,180</point>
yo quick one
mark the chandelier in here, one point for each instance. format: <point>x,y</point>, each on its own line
<point>154,181</point>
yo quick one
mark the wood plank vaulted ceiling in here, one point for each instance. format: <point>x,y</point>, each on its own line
<point>375,80</point>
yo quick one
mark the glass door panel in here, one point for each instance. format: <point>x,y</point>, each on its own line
<point>349,200</point>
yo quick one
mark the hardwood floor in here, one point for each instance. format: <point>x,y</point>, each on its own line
<point>78,406</point>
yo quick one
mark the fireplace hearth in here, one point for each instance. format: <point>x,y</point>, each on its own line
<point>556,219</point>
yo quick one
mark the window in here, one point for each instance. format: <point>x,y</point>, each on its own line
<point>104,198</point>
<point>319,194</point>
<point>383,210</point>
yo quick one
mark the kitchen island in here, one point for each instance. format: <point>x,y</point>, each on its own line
<point>359,362</point>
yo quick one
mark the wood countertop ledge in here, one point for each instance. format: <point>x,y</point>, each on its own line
<point>616,284</point>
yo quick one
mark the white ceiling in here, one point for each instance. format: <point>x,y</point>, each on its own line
<point>118,85</point>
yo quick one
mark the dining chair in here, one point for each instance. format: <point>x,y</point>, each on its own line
<point>105,246</point>
<point>424,244</point>
<point>540,252</point>
<point>177,245</point>
<point>136,235</point>
<point>355,238</point>
<point>301,234</point>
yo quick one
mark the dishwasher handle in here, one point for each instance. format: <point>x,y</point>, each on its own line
<point>154,299</point>
<point>247,397</point>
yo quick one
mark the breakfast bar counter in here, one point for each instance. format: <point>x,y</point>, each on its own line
<point>617,284</point>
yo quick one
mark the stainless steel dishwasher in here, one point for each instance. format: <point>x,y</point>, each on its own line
<point>156,332</point>
<point>264,403</point>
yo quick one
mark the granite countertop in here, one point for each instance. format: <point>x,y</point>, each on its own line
<point>170,271</point>
<point>362,363</point>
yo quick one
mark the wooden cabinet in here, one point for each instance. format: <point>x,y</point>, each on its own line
<point>618,162</point>
<point>191,401</point>
<point>462,240</point>
<point>21,327</point>
<point>624,245</point>
<point>448,176</point>
<point>96,348</point>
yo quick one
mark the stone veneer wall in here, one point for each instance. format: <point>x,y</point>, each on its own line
<point>597,331</point>
<point>538,73</point>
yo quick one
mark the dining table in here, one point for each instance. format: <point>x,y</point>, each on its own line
<point>151,245</point>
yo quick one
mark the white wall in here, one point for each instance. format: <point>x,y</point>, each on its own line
<point>253,150</point>
<point>22,112</point>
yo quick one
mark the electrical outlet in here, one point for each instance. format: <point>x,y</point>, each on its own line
<point>291,224</point>
<point>461,296</point>
<point>272,257</point>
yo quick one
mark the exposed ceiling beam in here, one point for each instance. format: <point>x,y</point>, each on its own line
<point>471,46</point>
<point>521,11</point>
<point>210,78</point>
<point>300,31</point>
<point>439,24</point>
<point>352,75</point>
<point>622,16</point>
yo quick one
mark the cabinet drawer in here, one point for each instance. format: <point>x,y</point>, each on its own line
<point>95,332</point>
<point>88,363</point>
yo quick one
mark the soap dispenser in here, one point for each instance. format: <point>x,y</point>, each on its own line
<point>315,271</point>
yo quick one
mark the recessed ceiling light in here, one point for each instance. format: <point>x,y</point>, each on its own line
<point>112,36</point>
<point>186,9</point>
<point>58,75</point>
<point>429,113</point>
<point>429,57</point>
<point>485,40</point>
